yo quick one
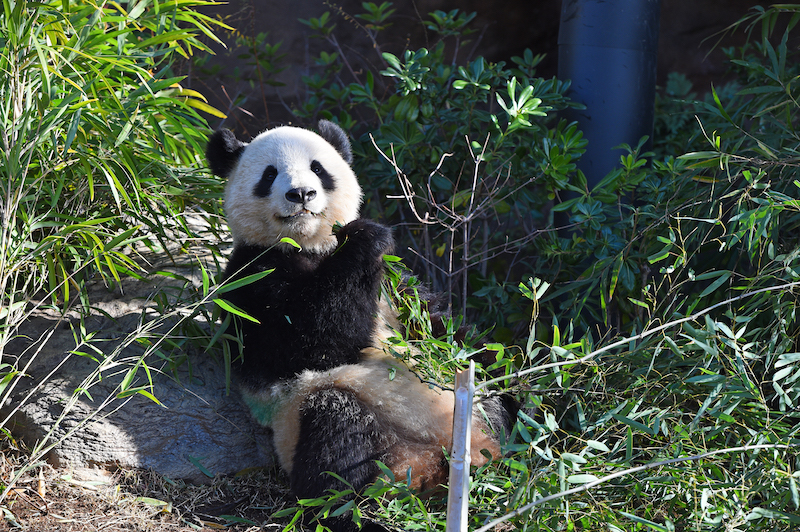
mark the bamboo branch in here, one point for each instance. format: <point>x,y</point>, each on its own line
<point>644,334</point>
<point>597,482</point>
<point>458,495</point>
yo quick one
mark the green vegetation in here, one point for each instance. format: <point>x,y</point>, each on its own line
<point>657,331</point>
<point>471,151</point>
<point>101,161</point>
<point>654,338</point>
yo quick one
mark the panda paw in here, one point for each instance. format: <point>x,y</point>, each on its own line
<point>364,234</point>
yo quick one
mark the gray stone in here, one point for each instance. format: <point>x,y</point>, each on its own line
<point>198,427</point>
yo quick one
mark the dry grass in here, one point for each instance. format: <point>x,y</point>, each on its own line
<point>57,500</point>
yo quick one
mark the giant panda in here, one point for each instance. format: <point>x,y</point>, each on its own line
<point>313,366</point>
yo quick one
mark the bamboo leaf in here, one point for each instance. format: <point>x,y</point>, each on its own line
<point>233,309</point>
<point>244,281</point>
<point>203,106</point>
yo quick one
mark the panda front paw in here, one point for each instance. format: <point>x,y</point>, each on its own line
<point>375,239</point>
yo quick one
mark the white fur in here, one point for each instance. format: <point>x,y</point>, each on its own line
<point>263,221</point>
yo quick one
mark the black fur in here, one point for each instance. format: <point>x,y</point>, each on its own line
<point>325,178</point>
<point>223,152</point>
<point>501,413</point>
<point>264,185</point>
<point>315,311</point>
<point>337,138</point>
<point>360,440</point>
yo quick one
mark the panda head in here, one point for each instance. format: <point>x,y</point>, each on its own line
<point>287,182</point>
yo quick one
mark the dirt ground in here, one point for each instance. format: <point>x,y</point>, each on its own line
<point>46,499</point>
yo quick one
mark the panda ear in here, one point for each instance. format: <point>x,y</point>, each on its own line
<point>337,138</point>
<point>222,152</point>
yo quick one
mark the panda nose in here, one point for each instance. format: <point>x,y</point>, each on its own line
<point>301,194</point>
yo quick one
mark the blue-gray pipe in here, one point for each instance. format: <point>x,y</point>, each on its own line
<point>608,48</point>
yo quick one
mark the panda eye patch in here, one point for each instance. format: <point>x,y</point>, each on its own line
<point>324,176</point>
<point>264,185</point>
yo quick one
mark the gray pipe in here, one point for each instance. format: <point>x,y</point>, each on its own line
<point>608,48</point>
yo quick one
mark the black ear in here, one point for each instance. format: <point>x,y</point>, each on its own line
<point>337,138</point>
<point>222,152</point>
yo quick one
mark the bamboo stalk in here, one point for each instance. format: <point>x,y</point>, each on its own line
<point>458,494</point>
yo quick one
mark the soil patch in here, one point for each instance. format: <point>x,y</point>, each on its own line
<point>93,500</point>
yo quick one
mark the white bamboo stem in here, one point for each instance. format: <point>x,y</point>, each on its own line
<point>458,495</point>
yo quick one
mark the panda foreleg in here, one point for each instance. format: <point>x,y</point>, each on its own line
<point>339,434</point>
<point>363,242</point>
<point>339,302</point>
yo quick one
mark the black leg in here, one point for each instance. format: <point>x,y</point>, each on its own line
<point>338,433</point>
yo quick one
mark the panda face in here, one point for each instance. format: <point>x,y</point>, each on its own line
<point>290,182</point>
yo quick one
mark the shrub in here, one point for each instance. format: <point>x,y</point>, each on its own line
<point>469,158</point>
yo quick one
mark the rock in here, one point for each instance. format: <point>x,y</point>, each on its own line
<point>197,430</point>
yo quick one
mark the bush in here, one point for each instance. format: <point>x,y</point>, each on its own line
<point>470,157</point>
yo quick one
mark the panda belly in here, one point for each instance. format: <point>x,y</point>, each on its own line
<point>346,418</point>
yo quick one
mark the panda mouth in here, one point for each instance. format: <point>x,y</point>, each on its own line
<point>296,216</point>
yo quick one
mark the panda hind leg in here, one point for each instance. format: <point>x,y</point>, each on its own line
<point>338,433</point>
<point>501,412</point>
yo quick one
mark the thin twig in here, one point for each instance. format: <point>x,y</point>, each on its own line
<point>405,184</point>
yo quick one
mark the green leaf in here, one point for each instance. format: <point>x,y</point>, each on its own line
<point>633,423</point>
<point>123,239</point>
<point>574,458</point>
<point>233,309</point>
<point>642,521</point>
<point>196,462</point>
<point>229,286</point>
<point>598,445</point>
<point>291,242</point>
<point>126,130</point>
<point>704,155</point>
<point>581,479</point>
<point>764,513</point>
<point>706,379</point>
<point>146,393</point>
<point>206,108</point>
<point>639,303</point>
<point>614,276</point>
<point>286,512</point>
<point>343,509</point>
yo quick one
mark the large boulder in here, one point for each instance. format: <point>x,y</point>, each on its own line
<point>70,395</point>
